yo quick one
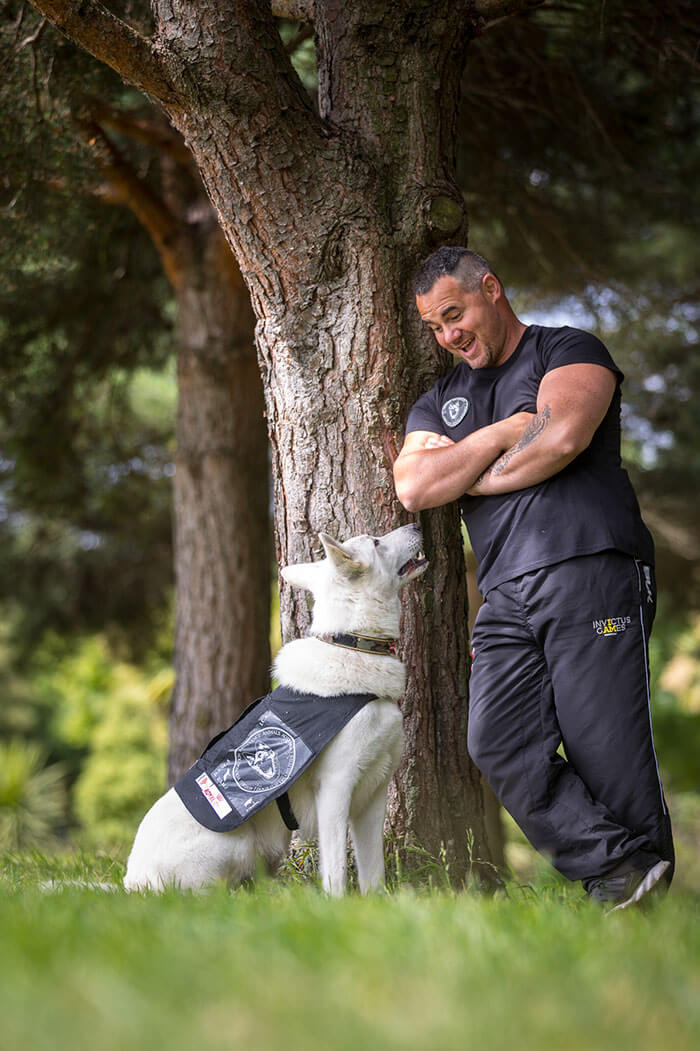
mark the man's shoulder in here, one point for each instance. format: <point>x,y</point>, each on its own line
<point>564,344</point>
<point>426,413</point>
<point>549,335</point>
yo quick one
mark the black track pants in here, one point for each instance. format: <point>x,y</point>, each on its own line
<point>561,656</point>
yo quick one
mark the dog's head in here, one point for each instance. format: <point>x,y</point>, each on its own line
<point>356,586</point>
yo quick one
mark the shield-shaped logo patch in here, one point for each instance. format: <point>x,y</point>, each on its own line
<point>454,411</point>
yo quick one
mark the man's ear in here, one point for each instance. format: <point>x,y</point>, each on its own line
<point>301,575</point>
<point>340,557</point>
<point>491,287</point>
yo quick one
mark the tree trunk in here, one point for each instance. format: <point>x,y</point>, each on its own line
<point>223,544</point>
<point>334,419</point>
<point>327,229</point>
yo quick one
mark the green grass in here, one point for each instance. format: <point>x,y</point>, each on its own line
<point>281,966</point>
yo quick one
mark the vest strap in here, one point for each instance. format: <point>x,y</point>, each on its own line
<point>286,812</point>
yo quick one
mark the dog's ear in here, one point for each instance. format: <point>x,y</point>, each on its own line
<point>302,575</point>
<point>341,558</point>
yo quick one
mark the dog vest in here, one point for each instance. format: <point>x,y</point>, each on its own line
<point>256,760</point>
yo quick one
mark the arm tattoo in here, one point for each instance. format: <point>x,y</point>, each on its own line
<point>532,431</point>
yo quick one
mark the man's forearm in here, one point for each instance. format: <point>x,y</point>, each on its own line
<point>541,452</point>
<point>431,477</point>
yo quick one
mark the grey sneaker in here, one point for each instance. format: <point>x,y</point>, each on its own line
<point>628,888</point>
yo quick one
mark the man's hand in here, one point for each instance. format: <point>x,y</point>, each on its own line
<point>436,441</point>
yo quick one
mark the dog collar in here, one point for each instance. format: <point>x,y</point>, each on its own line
<point>364,643</point>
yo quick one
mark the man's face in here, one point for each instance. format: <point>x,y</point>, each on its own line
<point>468,324</point>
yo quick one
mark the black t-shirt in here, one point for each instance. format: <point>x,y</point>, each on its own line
<point>589,506</point>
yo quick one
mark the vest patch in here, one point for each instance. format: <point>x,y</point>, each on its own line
<point>454,411</point>
<point>212,795</point>
<point>256,760</point>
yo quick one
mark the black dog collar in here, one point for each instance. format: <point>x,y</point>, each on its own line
<point>364,643</point>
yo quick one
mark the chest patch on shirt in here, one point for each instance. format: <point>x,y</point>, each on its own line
<point>454,411</point>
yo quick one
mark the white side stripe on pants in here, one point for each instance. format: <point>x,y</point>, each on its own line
<point>646,673</point>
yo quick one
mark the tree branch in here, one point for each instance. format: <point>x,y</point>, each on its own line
<point>91,26</point>
<point>34,37</point>
<point>491,11</point>
<point>147,130</point>
<point>295,10</point>
<point>304,34</point>
<point>129,189</point>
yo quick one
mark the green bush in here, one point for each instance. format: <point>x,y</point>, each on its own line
<point>677,737</point>
<point>74,684</point>
<point>32,797</point>
<point>126,767</point>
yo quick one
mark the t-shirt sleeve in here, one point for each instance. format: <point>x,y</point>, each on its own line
<point>571,346</point>
<point>425,414</point>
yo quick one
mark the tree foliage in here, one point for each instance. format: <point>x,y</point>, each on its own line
<point>84,309</point>
<point>579,153</point>
<point>86,454</point>
<point>578,135</point>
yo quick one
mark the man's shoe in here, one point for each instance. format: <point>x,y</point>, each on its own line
<point>629,888</point>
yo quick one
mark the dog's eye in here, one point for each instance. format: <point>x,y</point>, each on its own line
<point>376,542</point>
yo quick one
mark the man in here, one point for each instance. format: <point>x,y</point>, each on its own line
<point>525,433</point>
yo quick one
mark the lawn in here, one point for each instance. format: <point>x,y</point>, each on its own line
<point>281,966</point>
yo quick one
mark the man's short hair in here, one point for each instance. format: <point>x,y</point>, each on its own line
<point>467,267</point>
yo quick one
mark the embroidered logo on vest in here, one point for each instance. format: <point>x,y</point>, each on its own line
<point>262,763</point>
<point>454,411</point>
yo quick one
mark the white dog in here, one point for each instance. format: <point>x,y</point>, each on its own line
<point>350,651</point>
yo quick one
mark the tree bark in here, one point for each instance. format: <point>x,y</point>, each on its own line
<point>223,543</point>
<point>340,351</point>
<point>328,215</point>
<point>221,491</point>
